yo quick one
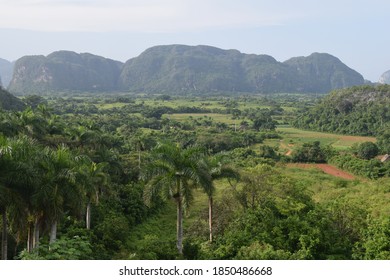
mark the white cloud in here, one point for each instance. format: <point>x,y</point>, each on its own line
<point>136,16</point>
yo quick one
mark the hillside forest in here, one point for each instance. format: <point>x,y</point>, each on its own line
<point>159,176</point>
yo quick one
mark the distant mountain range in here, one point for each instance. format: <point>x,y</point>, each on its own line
<point>181,69</point>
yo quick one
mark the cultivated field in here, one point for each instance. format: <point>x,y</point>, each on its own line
<point>293,137</point>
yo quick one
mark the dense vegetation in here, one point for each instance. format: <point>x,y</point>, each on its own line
<point>10,102</point>
<point>159,177</point>
<point>179,69</point>
<point>359,110</point>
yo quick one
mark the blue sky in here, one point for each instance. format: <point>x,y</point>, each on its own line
<point>355,31</point>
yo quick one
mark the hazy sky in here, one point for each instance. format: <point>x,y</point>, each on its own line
<point>356,31</point>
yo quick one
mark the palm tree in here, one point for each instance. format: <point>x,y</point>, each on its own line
<point>175,171</point>
<point>4,199</point>
<point>139,142</point>
<point>58,181</point>
<point>218,170</point>
<point>94,178</point>
<point>31,123</point>
<point>18,176</point>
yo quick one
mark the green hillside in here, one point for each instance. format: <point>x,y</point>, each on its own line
<point>64,71</point>
<point>10,102</point>
<point>361,110</point>
<point>180,69</point>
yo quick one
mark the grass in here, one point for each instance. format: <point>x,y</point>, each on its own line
<point>203,103</point>
<point>223,118</point>
<point>294,137</point>
<point>162,225</point>
<point>372,195</point>
<point>111,105</point>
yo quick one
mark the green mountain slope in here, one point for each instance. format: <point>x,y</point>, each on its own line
<point>65,71</point>
<point>322,73</point>
<point>10,102</point>
<point>179,68</point>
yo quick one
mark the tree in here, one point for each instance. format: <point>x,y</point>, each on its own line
<point>18,180</point>
<point>310,152</point>
<point>375,243</point>
<point>367,150</point>
<point>175,171</point>
<point>4,199</point>
<point>94,178</point>
<point>263,121</point>
<point>384,141</point>
<point>58,184</point>
<point>218,169</point>
<point>139,141</point>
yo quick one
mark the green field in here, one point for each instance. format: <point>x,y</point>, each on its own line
<point>223,118</point>
<point>294,137</point>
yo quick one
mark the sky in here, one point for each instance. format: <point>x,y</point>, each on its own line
<point>355,31</point>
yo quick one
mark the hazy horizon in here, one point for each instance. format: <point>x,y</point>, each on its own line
<point>353,31</point>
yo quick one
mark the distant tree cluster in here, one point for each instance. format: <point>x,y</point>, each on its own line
<point>359,110</point>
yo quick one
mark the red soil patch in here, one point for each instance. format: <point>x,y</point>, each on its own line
<point>329,169</point>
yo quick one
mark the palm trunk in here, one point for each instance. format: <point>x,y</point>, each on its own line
<point>88,216</point>
<point>53,232</point>
<point>36,234</point>
<point>211,218</point>
<point>179,225</point>
<point>4,238</point>
<point>30,237</point>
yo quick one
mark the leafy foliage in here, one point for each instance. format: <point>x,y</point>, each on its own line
<point>359,110</point>
<point>66,159</point>
<point>312,152</point>
<point>367,150</point>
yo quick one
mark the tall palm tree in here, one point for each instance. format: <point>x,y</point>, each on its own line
<point>4,204</point>
<point>58,179</point>
<point>139,142</point>
<point>94,178</point>
<point>3,199</point>
<point>218,169</point>
<point>175,171</point>
<point>18,177</point>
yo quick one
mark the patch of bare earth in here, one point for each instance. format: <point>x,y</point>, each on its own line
<point>329,169</point>
<point>287,147</point>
